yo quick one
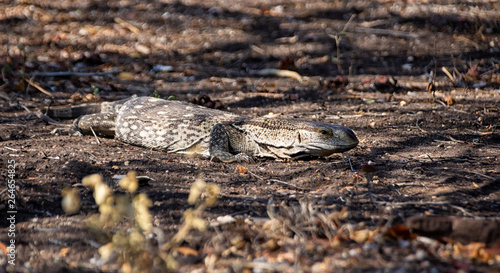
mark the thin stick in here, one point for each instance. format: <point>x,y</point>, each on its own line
<point>70,73</point>
<point>448,74</point>
<point>47,119</point>
<point>32,83</point>
<point>288,184</point>
<point>127,25</point>
<point>96,138</point>
<point>280,73</point>
<point>338,39</point>
<point>349,160</point>
<point>278,181</point>
<point>389,32</point>
<point>368,186</point>
<point>484,175</point>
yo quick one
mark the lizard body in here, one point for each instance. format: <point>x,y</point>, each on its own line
<point>180,127</point>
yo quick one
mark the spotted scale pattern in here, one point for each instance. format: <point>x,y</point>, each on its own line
<point>171,126</point>
<point>180,127</point>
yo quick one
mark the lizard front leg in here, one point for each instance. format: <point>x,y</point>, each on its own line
<point>220,148</point>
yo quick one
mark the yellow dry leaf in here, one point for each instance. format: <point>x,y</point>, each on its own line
<point>143,49</point>
<point>212,192</point>
<point>449,100</point>
<point>71,201</point>
<point>3,247</point>
<point>101,193</point>
<point>361,236</point>
<point>186,251</point>
<point>64,252</point>
<point>198,223</point>
<point>196,191</point>
<point>127,76</point>
<point>136,239</point>
<point>126,268</point>
<point>129,182</point>
<point>92,180</point>
<point>106,251</point>
<point>240,170</point>
<point>142,216</point>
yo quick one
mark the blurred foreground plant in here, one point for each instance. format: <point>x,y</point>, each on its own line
<point>124,224</point>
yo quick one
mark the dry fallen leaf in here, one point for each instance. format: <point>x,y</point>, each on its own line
<point>361,236</point>
<point>89,97</point>
<point>126,76</point>
<point>3,247</point>
<point>400,232</point>
<point>76,97</point>
<point>449,100</point>
<point>240,170</point>
<point>186,251</point>
<point>64,252</point>
<point>143,49</point>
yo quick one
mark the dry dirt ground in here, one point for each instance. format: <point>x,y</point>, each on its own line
<point>433,138</point>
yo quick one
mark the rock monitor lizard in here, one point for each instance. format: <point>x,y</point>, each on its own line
<point>180,127</point>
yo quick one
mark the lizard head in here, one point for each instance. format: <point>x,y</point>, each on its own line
<point>323,139</point>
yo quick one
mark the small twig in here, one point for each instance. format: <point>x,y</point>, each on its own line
<point>257,50</point>
<point>441,135</point>
<point>338,38</point>
<point>440,101</point>
<point>389,32</point>
<point>452,79</point>
<point>10,149</point>
<point>368,186</point>
<point>349,160</point>
<point>96,138</point>
<point>429,157</point>
<point>278,181</point>
<point>24,107</point>
<point>484,175</point>
<point>462,38</point>
<point>464,211</point>
<point>450,138</point>
<point>38,87</point>
<point>368,170</point>
<point>280,73</point>
<point>18,125</point>
<point>70,73</point>
<point>127,25</point>
<point>49,120</point>
<point>288,184</point>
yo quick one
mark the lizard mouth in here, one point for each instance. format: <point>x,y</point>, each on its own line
<point>345,141</point>
<point>317,150</point>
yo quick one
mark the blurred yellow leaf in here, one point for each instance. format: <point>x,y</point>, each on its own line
<point>71,201</point>
<point>196,190</point>
<point>64,252</point>
<point>127,76</point>
<point>186,251</point>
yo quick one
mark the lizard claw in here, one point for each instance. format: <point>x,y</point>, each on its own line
<point>244,157</point>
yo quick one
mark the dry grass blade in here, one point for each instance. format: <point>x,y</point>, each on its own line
<point>127,25</point>
<point>38,87</point>
<point>280,73</point>
<point>452,79</point>
<point>287,184</point>
<point>305,220</point>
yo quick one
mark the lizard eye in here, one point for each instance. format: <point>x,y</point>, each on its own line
<point>324,132</point>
